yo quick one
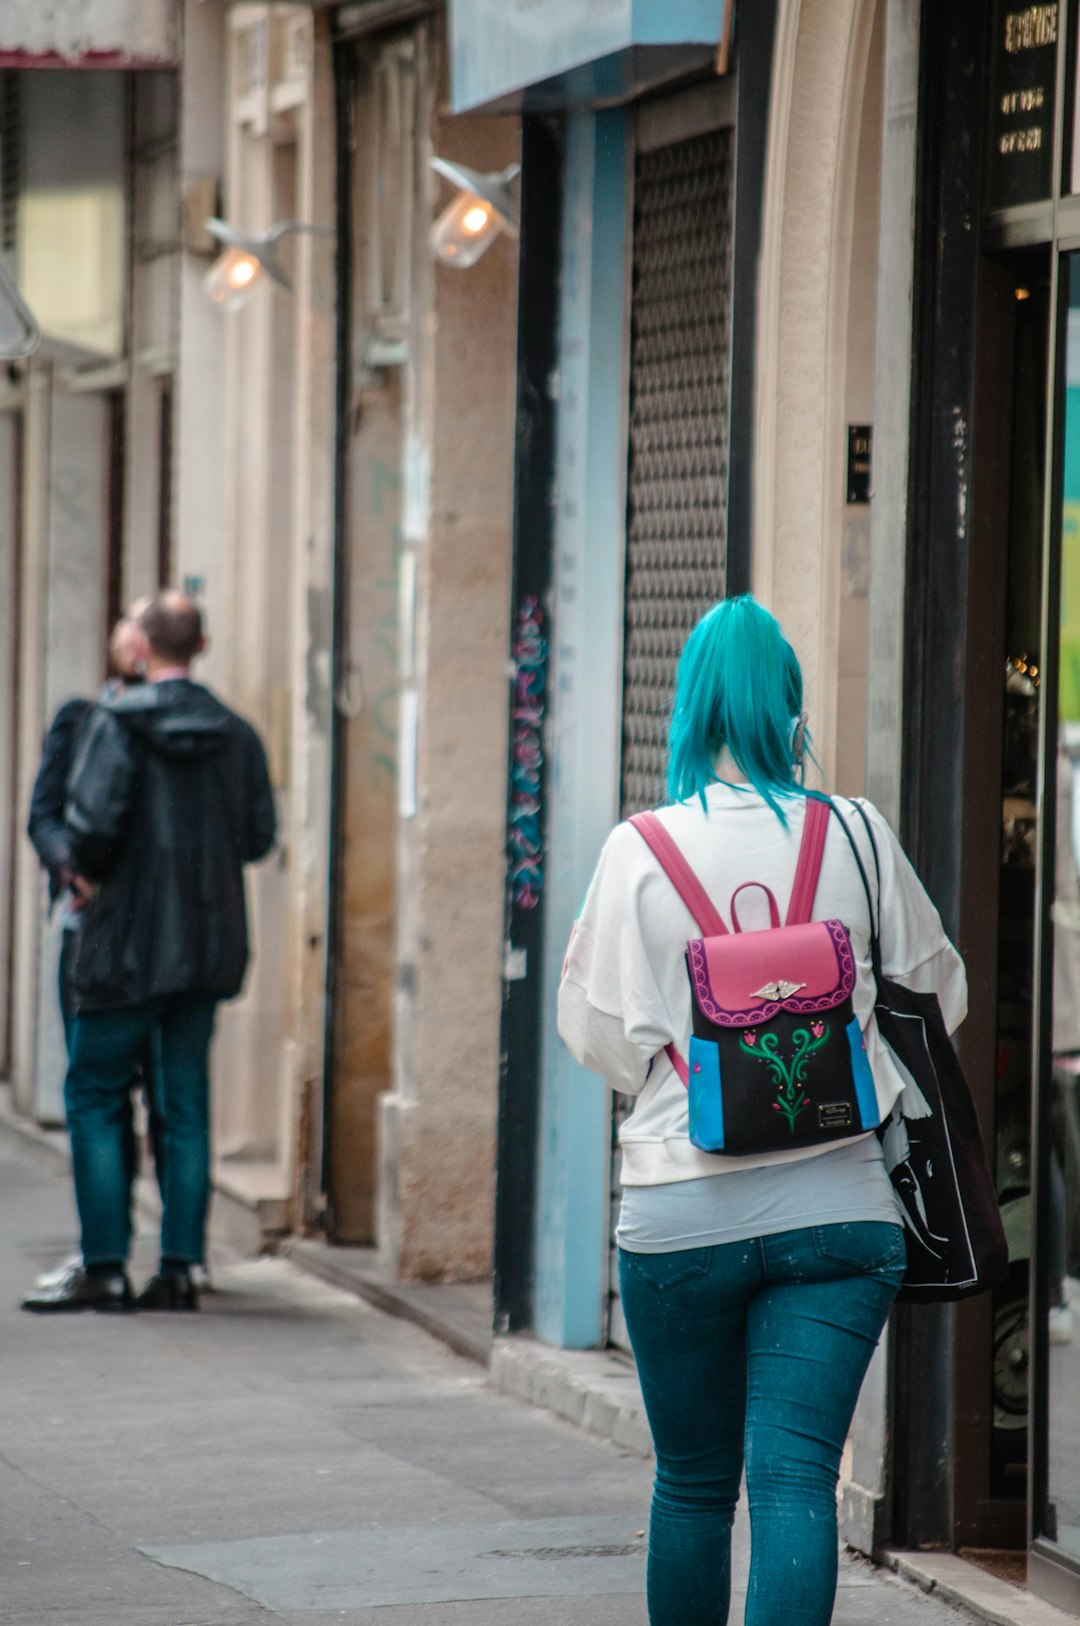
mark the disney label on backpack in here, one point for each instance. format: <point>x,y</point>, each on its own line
<point>776,1040</point>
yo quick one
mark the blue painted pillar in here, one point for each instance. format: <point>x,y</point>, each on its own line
<point>575,1120</point>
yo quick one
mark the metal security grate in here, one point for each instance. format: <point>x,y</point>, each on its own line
<point>679,417</point>
<point>10,160</point>
<point>680,349</point>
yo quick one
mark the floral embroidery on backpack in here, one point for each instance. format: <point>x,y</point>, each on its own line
<point>777,1057</point>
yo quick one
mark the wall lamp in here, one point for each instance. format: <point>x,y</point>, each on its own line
<point>19,332</point>
<point>247,257</point>
<point>482,210</point>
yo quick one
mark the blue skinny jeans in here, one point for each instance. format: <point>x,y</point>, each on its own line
<point>754,1352</point>
<point>104,1047</point>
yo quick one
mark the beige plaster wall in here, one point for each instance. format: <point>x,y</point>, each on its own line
<point>438,1126</point>
<point>254,521</point>
<point>854,584</point>
<point>307,704</point>
<point>811,251</point>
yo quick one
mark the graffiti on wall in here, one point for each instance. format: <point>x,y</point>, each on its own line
<point>525,840</point>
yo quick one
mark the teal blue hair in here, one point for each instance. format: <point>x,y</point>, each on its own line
<point>739,686</point>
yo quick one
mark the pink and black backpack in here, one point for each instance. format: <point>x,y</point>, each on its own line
<point>777,1057</point>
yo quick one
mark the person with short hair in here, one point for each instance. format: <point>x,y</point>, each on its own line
<point>169,798</point>
<point>51,840</point>
<point>49,835</point>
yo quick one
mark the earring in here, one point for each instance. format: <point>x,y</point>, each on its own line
<point>798,741</point>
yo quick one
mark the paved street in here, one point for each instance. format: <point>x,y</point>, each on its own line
<point>290,1454</point>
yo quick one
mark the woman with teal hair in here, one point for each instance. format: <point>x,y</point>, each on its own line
<point>754,1288</point>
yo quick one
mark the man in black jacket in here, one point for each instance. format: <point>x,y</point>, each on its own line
<point>46,828</point>
<point>169,798</point>
<point>51,840</point>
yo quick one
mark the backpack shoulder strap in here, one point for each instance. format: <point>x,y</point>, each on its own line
<point>808,868</point>
<point>682,1071</point>
<point>678,871</point>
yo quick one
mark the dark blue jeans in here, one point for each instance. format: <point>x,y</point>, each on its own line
<point>754,1351</point>
<point>142,1078</point>
<point>104,1047</point>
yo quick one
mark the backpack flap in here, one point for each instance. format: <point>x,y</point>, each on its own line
<point>777,1056</point>
<point>745,979</point>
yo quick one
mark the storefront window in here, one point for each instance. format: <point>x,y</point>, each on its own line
<point>1061,1265</point>
<point>1022,680</point>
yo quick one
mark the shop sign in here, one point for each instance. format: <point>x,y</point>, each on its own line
<point>121,34</point>
<point>1023,79</point>
<point>859,443</point>
<point>502,47</point>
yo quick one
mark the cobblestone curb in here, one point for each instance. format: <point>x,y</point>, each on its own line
<point>973,1590</point>
<point>592,1389</point>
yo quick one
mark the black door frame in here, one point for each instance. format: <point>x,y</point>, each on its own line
<point>952,746</point>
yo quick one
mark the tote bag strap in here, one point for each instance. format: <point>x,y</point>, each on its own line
<point>874,913</point>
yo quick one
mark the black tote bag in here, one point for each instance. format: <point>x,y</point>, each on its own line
<point>956,1243</point>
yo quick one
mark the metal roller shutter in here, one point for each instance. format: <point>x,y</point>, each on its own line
<point>679,364</point>
<point>680,352</point>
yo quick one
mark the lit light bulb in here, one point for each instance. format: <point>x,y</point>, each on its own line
<point>476,218</point>
<point>465,230</point>
<point>233,278</point>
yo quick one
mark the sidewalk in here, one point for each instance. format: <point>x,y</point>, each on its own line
<point>597,1390</point>
<point>293,1454</point>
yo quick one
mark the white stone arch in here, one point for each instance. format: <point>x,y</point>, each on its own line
<point>815,123</point>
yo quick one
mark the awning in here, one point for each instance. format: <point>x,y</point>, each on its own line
<point>535,55</point>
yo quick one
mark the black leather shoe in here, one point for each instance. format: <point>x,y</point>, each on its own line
<point>78,1291</point>
<point>169,1293</point>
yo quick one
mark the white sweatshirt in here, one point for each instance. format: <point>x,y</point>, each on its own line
<point>625,992</point>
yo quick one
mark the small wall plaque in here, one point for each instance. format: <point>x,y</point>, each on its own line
<point>1023,66</point>
<point>860,437</point>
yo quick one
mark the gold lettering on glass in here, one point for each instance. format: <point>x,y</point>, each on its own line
<point>1023,101</point>
<point>1016,141</point>
<point>1030,29</point>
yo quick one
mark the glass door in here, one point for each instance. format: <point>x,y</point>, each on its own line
<point>1017,1006</point>
<point>1055,1297</point>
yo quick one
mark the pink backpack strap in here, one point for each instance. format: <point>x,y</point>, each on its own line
<point>679,1065</point>
<point>692,893</point>
<point>811,849</point>
<point>679,873</point>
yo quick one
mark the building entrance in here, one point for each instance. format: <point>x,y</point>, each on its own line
<point>992,744</point>
<point>1057,1292</point>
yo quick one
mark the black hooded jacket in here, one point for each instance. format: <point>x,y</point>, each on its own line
<point>46,828</point>
<point>169,797</point>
